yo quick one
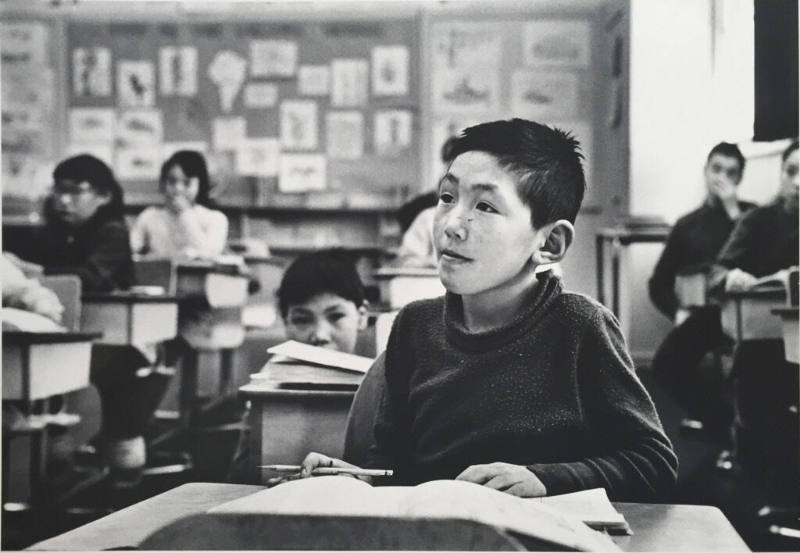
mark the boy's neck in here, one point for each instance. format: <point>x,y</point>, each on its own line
<point>498,307</point>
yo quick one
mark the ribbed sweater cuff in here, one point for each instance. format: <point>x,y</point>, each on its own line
<point>555,477</point>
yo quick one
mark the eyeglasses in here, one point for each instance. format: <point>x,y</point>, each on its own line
<point>70,190</point>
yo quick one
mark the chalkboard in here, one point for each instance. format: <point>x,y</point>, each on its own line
<point>154,109</point>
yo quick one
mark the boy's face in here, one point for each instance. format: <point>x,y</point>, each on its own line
<point>482,231</point>
<point>76,202</point>
<point>790,181</point>
<point>326,320</point>
<point>722,175</point>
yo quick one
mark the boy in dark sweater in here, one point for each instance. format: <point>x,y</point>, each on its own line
<point>508,381</point>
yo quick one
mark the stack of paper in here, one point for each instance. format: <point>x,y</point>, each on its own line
<point>590,506</point>
<point>296,365</point>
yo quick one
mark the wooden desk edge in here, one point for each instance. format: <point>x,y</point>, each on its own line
<point>250,390</point>
<point>122,297</point>
<point>15,337</point>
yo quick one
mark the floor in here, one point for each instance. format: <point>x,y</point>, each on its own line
<point>700,482</point>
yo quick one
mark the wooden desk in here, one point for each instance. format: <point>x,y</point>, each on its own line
<point>748,315</point>
<point>285,425</point>
<point>656,527</point>
<point>40,365</point>
<point>400,286</point>
<point>221,285</point>
<point>618,237</point>
<point>790,330</point>
<point>130,319</point>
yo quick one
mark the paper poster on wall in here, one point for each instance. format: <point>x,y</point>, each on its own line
<point>89,125</point>
<point>169,148</point>
<point>31,86</point>
<point>24,130</point>
<point>102,151</point>
<point>135,84</point>
<point>582,131</point>
<point>178,70</point>
<point>314,80</point>
<point>556,43</point>
<point>91,72</point>
<point>140,127</point>
<point>349,85</point>
<point>344,131</point>
<point>465,90</point>
<point>301,172</point>
<point>258,157</point>
<point>544,95</point>
<point>392,131</point>
<point>228,132</point>
<point>227,71</point>
<point>26,176</point>
<point>466,45</point>
<point>299,125</point>
<point>138,162</point>
<point>273,58</point>
<point>260,95</point>
<point>23,42</point>
<point>390,71</point>
<point>442,129</point>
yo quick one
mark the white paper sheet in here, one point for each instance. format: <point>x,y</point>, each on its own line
<point>140,126</point>
<point>228,132</point>
<point>277,58</point>
<point>258,157</point>
<point>299,124</point>
<point>138,162</point>
<point>556,43</point>
<point>390,71</point>
<point>349,86</point>
<point>228,71</point>
<point>91,72</point>
<point>345,134</point>
<point>542,95</point>
<point>314,80</point>
<point>302,172</point>
<point>392,132</point>
<point>260,95</point>
<point>178,70</point>
<point>136,83</point>
<point>92,125</point>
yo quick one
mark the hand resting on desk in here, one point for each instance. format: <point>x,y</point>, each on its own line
<point>513,479</point>
<point>317,460</point>
<point>738,280</point>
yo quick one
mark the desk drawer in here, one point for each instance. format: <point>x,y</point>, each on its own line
<point>38,371</point>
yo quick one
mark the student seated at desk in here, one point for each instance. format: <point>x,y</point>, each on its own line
<point>695,241</point>
<point>186,226</point>
<point>509,381</point>
<point>764,242</point>
<point>85,234</point>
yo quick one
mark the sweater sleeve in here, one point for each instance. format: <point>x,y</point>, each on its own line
<point>662,284</point>
<point>207,234</point>
<point>392,445</point>
<point>632,458</point>
<point>109,256</point>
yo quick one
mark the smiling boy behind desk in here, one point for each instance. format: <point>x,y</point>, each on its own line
<point>509,381</point>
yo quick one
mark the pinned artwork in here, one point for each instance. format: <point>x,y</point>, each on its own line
<point>140,127</point>
<point>227,71</point>
<point>314,80</point>
<point>556,43</point>
<point>258,157</point>
<point>138,163</point>
<point>92,125</point>
<point>299,125</point>
<point>349,85</point>
<point>91,72</point>
<point>345,134</point>
<point>23,42</point>
<point>544,95</point>
<point>390,71</point>
<point>178,70</point>
<point>301,172</point>
<point>273,58</point>
<point>456,90</point>
<point>260,95</point>
<point>466,45</point>
<point>392,132</point>
<point>135,84</point>
<point>228,133</point>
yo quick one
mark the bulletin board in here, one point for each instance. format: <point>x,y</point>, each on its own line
<point>289,114</point>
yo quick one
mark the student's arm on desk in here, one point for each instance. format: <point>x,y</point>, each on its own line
<point>632,458</point>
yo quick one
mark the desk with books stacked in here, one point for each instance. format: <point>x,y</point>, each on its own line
<point>299,403</point>
<point>235,516</point>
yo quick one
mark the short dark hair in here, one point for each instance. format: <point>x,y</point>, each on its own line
<point>193,164</point>
<point>546,160</point>
<point>331,271</point>
<point>788,151</point>
<point>87,168</point>
<point>728,150</point>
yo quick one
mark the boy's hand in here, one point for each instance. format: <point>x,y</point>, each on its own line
<point>514,479</point>
<point>738,280</point>
<point>316,460</point>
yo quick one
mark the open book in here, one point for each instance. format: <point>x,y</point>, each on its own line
<point>302,366</point>
<point>340,496</point>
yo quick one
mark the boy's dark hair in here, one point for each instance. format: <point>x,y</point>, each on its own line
<point>728,150</point>
<point>87,168</point>
<point>546,160</point>
<point>788,151</point>
<point>318,272</point>
<point>193,164</point>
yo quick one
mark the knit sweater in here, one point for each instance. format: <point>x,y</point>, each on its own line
<point>554,389</point>
<point>196,232</point>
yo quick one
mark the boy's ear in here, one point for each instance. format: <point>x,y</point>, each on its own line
<point>559,237</point>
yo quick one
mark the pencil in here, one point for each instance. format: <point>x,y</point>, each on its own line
<point>355,471</point>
